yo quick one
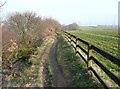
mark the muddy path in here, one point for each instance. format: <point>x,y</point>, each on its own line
<point>59,79</point>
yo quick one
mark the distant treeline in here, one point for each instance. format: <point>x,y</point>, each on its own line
<point>73,26</point>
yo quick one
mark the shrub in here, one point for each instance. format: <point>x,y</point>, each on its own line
<point>21,55</point>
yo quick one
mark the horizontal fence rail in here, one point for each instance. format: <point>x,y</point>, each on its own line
<point>106,55</point>
<point>73,40</point>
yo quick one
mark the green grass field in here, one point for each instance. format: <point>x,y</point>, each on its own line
<point>105,39</point>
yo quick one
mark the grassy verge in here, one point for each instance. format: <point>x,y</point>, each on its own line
<point>73,67</point>
<point>47,81</point>
<point>25,72</point>
<point>49,74</point>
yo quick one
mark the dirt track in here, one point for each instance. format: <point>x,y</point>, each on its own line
<point>59,80</point>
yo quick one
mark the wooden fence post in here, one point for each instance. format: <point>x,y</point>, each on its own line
<point>76,46</point>
<point>70,40</point>
<point>89,61</point>
<point>67,36</point>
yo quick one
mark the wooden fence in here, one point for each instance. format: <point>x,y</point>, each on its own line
<point>74,42</point>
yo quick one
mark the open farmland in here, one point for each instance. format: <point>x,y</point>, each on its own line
<point>104,38</point>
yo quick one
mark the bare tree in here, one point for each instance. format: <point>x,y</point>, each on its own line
<point>26,25</point>
<point>73,26</point>
<point>50,23</point>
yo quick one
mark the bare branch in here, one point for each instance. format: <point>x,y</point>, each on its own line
<point>2,4</point>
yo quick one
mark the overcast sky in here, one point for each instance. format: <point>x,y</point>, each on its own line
<point>83,12</point>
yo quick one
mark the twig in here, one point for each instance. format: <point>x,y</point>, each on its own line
<point>3,4</point>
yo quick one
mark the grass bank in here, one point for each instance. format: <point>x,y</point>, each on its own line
<point>25,73</point>
<point>73,67</point>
